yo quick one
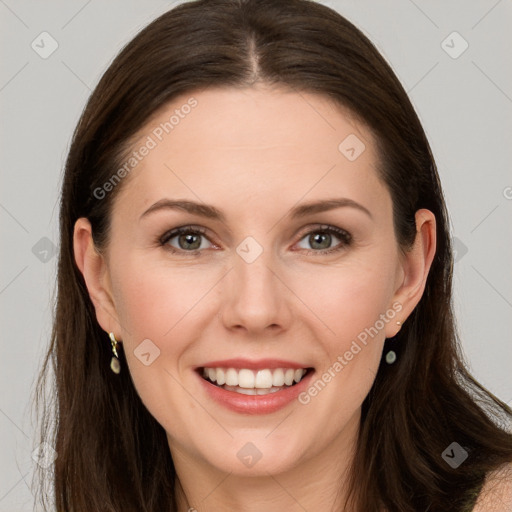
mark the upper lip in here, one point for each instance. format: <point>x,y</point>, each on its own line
<point>256,364</point>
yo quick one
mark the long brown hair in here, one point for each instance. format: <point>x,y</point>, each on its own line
<point>112,454</point>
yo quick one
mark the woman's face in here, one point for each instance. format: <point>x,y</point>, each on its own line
<point>296,270</point>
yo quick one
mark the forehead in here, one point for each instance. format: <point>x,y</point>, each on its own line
<point>253,145</point>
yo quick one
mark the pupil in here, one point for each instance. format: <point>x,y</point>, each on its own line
<point>317,239</point>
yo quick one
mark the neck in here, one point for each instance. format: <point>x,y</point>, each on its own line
<point>317,482</point>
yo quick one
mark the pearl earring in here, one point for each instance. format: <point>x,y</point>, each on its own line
<point>391,357</point>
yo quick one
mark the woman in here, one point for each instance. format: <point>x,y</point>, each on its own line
<point>254,291</point>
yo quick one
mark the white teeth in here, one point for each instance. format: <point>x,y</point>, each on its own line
<point>278,377</point>
<point>246,379</point>
<point>221,376</point>
<point>265,379</point>
<point>288,376</point>
<point>244,391</point>
<point>231,377</point>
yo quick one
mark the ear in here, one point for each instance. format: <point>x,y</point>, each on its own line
<point>414,268</point>
<point>94,268</point>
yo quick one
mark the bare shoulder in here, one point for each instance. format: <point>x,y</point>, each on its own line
<point>496,494</point>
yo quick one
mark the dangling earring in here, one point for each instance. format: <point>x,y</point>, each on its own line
<point>115,365</point>
<point>391,355</point>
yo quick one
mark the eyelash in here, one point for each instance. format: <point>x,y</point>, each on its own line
<point>344,236</point>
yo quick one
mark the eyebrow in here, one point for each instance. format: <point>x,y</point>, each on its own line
<point>210,212</point>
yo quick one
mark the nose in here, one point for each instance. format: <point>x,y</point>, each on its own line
<point>256,299</point>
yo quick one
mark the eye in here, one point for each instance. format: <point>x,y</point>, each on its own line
<point>191,239</point>
<point>186,239</point>
<point>320,239</point>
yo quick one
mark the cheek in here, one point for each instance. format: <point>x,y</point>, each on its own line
<point>159,302</point>
<point>354,308</point>
<point>348,300</point>
<point>162,312</point>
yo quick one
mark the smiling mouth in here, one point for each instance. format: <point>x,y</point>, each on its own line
<point>254,382</point>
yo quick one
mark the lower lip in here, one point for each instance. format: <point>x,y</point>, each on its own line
<point>255,404</point>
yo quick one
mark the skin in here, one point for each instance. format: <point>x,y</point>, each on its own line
<point>496,494</point>
<point>255,154</point>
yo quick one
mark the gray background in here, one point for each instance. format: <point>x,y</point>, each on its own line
<point>465,104</point>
